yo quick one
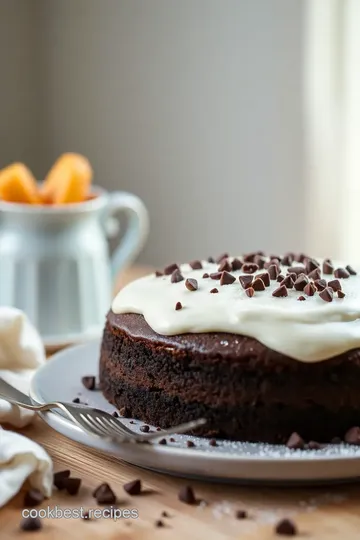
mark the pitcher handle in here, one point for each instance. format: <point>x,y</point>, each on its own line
<point>137,230</point>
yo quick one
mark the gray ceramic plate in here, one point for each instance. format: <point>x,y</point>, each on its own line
<point>60,379</point>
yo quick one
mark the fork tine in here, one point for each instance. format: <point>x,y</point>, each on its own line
<point>181,428</point>
<point>122,427</point>
<point>87,422</point>
<point>114,426</point>
<point>106,427</point>
<point>103,424</point>
<point>97,424</point>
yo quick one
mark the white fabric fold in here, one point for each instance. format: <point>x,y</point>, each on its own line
<point>21,352</point>
<point>21,459</point>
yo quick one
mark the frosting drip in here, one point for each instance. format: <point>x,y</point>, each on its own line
<point>308,331</point>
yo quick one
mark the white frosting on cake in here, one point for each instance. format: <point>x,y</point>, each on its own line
<point>309,331</point>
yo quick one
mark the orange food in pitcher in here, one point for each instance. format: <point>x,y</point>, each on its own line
<point>68,181</point>
<point>18,185</point>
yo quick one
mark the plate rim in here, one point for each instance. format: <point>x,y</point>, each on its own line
<point>297,458</point>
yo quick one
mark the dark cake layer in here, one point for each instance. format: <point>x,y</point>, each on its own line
<point>245,390</point>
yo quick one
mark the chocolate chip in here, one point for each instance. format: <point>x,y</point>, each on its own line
<point>170,269</point>
<point>341,273</point>
<point>32,498</point>
<point>260,261</point>
<point>214,290</point>
<point>269,263</point>
<point>352,436</point>
<point>162,441</point>
<point>250,292</point>
<point>176,276</point>
<point>280,291</point>
<point>158,274</point>
<point>313,445</point>
<point>190,444</point>
<point>273,271</point>
<point>265,278</point>
<point>89,382</point>
<point>187,495</point>
<point>301,282</point>
<point>295,441</point>
<point>104,494</point>
<point>296,270</point>
<point>250,257</point>
<point>320,284</point>
<point>59,477</point>
<point>227,279</point>
<point>300,257</point>
<point>279,278</point>
<point>341,294</point>
<point>335,285</point>
<point>301,298</point>
<point>133,487</point>
<point>288,282</point>
<point>191,284</point>
<point>327,294</point>
<point>145,428</point>
<point>213,442</point>
<point>115,414</point>
<point>315,274</point>
<point>245,281</point>
<point>241,514</point>
<point>309,289</point>
<point>236,265</point>
<point>286,527</point>
<point>206,275</point>
<point>195,265</point>
<point>327,267</point>
<point>211,259</point>
<point>221,257</point>
<point>30,524</point>
<point>76,400</point>
<point>72,485</point>
<point>86,516</point>
<point>225,266</point>
<point>287,260</point>
<point>351,270</point>
<point>258,285</point>
<point>165,514</point>
<point>311,265</point>
<point>215,275</point>
<point>159,523</point>
<point>249,268</point>
<point>172,439</point>
<point>178,306</point>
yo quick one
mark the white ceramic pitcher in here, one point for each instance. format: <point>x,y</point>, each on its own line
<point>55,266</point>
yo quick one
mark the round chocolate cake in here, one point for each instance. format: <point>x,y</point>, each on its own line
<point>259,346</point>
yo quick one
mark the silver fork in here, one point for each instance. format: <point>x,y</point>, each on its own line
<point>94,421</point>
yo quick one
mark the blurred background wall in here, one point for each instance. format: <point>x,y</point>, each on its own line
<point>21,81</point>
<point>194,105</point>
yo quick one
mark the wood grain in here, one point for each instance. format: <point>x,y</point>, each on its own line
<point>320,513</point>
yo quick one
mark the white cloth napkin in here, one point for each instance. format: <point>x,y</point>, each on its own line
<point>21,352</point>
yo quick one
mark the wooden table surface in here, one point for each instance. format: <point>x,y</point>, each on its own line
<point>320,513</point>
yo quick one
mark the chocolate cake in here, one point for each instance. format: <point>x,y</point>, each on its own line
<point>259,346</point>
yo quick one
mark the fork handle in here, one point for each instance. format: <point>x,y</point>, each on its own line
<point>9,392</point>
